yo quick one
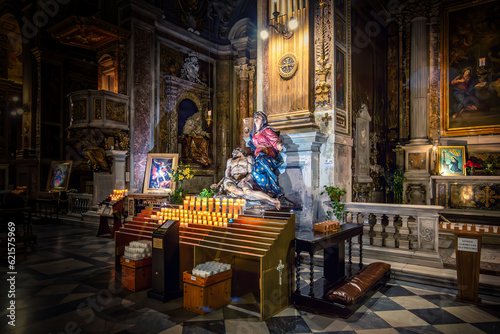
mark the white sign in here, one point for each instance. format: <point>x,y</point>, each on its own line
<point>467,245</point>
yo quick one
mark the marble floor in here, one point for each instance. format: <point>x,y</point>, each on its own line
<point>66,284</point>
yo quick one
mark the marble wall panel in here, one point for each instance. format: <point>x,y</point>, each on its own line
<point>142,100</point>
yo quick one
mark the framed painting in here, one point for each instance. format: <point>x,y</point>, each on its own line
<point>157,179</point>
<point>58,178</point>
<point>340,86</point>
<point>451,160</point>
<point>471,69</point>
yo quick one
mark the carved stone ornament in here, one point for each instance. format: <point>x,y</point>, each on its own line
<point>287,65</point>
<point>190,69</point>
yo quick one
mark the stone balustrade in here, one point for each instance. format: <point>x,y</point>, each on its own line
<point>414,227</point>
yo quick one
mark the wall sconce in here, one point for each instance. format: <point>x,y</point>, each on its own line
<point>280,28</point>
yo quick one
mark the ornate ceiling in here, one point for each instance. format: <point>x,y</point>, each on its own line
<point>212,19</point>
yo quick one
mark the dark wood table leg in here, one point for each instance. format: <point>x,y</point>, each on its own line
<point>311,274</point>
<point>350,251</point>
<point>360,251</point>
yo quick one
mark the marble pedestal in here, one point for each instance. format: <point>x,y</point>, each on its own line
<point>104,183</point>
<point>299,174</point>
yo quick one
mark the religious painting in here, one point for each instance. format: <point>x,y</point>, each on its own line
<point>58,178</point>
<point>451,160</point>
<point>340,87</point>
<point>340,6</point>
<point>157,176</point>
<point>340,30</point>
<point>471,69</point>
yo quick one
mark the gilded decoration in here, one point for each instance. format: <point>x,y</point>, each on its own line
<point>87,32</point>
<point>323,88</point>
<point>287,65</point>
<point>416,160</point>
<point>116,111</point>
<point>97,109</point>
<point>488,197</point>
<point>80,110</point>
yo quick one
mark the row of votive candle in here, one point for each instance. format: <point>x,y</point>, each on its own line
<point>193,217</point>
<point>118,194</point>
<point>224,205</point>
<point>469,227</point>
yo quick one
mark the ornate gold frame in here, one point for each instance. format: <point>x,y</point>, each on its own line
<point>445,79</point>
<point>445,171</point>
<point>174,157</point>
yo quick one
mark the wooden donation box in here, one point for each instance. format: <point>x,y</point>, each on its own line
<point>136,274</point>
<point>468,254</point>
<point>259,250</point>
<point>206,294</point>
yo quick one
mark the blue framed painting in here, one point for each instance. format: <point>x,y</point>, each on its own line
<point>451,160</point>
<point>59,173</point>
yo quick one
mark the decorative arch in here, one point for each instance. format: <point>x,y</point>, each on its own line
<point>242,28</point>
<point>177,90</point>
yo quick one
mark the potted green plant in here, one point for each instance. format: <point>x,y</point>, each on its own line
<point>335,194</point>
<point>207,193</point>
<point>395,181</point>
<point>489,165</point>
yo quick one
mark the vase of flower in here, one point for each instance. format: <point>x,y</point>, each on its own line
<point>471,166</point>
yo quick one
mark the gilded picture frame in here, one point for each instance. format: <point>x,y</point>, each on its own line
<point>451,160</point>
<point>59,173</point>
<point>158,167</point>
<point>470,82</point>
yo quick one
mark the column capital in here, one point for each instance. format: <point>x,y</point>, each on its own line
<point>245,71</point>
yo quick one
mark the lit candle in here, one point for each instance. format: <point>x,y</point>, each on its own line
<point>210,204</point>
<point>204,204</point>
<point>230,205</point>
<point>186,204</point>
<point>198,203</point>
<point>217,205</point>
<point>224,205</point>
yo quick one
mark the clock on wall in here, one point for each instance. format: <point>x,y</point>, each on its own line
<point>287,65</point>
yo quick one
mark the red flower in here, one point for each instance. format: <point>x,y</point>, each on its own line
<point>472,164</point>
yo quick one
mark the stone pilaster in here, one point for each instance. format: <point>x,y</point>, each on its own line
<point>141,101</point>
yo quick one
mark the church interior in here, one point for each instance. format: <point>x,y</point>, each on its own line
<point>314,147</point>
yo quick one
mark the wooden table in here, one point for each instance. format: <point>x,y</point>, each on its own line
<point>333,244</point>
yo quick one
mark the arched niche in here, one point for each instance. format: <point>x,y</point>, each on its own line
<point>176,91</point>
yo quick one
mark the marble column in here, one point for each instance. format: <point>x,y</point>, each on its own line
<point>419,78</point>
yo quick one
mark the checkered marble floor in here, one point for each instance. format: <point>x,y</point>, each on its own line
<point>66,282</point>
